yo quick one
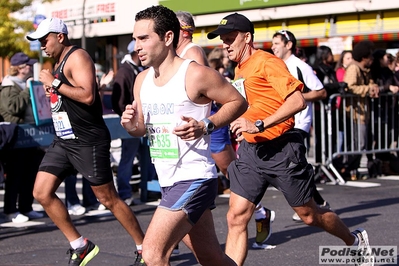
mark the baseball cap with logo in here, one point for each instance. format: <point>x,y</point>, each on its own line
<point>21,59</point>
<point>233,22</point>
<point>48,25</point>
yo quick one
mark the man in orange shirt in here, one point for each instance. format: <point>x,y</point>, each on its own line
<point>271,150</point>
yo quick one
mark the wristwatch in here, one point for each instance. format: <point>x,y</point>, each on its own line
<point>56,84</point>
<point>260,125</point>
<point>209,126</point>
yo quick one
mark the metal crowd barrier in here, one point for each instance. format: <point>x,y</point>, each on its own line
<point>338,131</point>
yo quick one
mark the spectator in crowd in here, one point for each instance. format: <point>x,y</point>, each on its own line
<point>324,68</point>
<point>343,62</point>
<point>396,69</point>
<point>271,150</point>
<point>72,200</point>
<point>82,144</point>
<point>391,62</point>
<point>180,151</point>
<point>359,82</point>
<point>384,109</point>
<point>105,88</point>
<point>300,53</point>
<point>218,53</point>
<point>381,73</point>
<point>16,107</point>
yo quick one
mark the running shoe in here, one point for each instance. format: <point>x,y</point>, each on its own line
<point>264,228</point>
<point>18,217</point>
<point>34,215</point>
<point>296,217</point>
<point>364,254</point>
<point>76,209</point>
<point>81,256</point>
<point>139,259</point>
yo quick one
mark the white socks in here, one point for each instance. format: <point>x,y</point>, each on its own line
<point>78,243</point>
<point>259,212</point>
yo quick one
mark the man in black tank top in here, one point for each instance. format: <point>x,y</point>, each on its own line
<point>82,141</point>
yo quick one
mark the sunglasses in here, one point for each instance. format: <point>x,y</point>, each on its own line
<point>285,33</point>
<point>185,27</point>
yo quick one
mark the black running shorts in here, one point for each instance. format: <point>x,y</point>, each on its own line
<point>280,162</point>
<point>63,158</point>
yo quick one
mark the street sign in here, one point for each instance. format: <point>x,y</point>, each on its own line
<point>35,45</point>
<point>37,19</point>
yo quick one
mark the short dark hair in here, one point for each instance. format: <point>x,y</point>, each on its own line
<point>363,49</point>
<point>164,21</point>
<point>322,54</point>
<point>287,36</point>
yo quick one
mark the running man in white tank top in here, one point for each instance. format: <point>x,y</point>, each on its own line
<point>221,149</point>
<point>185,47</point>
<point>172,105</point>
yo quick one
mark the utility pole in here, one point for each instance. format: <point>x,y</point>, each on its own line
<point>83,26</point>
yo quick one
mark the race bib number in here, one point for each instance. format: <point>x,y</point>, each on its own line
<point>239,85</point>
<point>62,125</point>
<point>163,143</point>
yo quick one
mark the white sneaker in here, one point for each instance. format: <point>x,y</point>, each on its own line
<point>76,209</point>
<point>101,207</point>
<point>34,215</point>
<point>364,253</point>
<point>18,217</point>
<point>96,207</point>
<point>296,217</point>
<point>129,201</point>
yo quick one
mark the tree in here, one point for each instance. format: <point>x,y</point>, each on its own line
<point>14,30</point>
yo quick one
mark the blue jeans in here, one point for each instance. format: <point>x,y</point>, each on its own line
<point>71,195</point>
<point>125,168</point>
<point>130,148</point>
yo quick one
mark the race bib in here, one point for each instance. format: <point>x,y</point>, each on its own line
<point>62,125</point>
<point>163,143</point>
<point>239,85</point>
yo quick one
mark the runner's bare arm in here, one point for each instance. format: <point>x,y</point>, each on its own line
<point>132,118</point>
<point>80,72</point>
<point>203,85</point>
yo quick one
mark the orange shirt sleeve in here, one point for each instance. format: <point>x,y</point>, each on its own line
<point>267,83</point>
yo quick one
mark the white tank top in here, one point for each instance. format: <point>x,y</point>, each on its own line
<point>188,46</point>
<point>175,159</point>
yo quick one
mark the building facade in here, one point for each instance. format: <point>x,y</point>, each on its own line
<point>104,27</point>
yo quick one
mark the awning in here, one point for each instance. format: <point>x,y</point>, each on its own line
<point>393,36</point>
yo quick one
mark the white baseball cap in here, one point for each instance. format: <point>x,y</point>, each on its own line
<point>48,25</point>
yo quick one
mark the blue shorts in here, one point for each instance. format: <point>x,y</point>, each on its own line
<point>280,162</point>
<point>191,196</point>
<point>219,139</point>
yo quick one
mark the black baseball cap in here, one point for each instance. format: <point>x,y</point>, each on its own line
<point>231,23</point>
